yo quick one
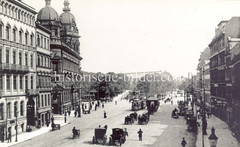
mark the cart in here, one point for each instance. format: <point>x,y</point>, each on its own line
<point>100,136</point>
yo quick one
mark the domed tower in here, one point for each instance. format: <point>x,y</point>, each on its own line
<point>48,17</point>
<point>69,33</point>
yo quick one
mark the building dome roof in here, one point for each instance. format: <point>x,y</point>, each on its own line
<point>67,18</point>
<point>47,13</point>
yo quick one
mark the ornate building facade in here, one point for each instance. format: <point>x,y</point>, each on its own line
<point>17,66</point>
<point>65,57</point>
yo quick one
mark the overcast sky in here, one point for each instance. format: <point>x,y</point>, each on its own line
<point>144,35</point>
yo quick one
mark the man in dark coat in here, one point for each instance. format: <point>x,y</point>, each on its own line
<point>140,134</point>
<point>183,142</point>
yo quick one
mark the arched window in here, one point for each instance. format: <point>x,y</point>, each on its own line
<point>7,32</point>
<point>26,38</point>
<point>9,110</point>
<point>31,39</point>
<point>15,109</point>
<point>14,34</point>
<point>21,108</point>
<point>20,36</point>
<point>19,15</point>
<point>1,112</point>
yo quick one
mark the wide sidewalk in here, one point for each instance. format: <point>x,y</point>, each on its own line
<point>222,131</point>
<point>28,135</point>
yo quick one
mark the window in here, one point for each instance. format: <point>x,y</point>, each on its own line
<point>20,58</point>
<point>44,42</point>
<point>14,35</point>
<point>26,82</point>
<point>41,60</point>
<point>26,38</point>
<point>31,40</point>
<point>49,99</point>
<point>38,60</point>
<point>15,82</point>
<point>26,59</point>
<point>14,57</point>
<point>20,36</point>
<point>47,44</point>
<point>38,40</point>
<point>1,82</point>
<point>46,100</point>
<point>31,62</point>
<point>21,108</point>
<point>31,82</point>
<point>56,32</point>
<point>42,101</point>
<point>8,82</point>
<point>41,41</point>
<point>21,82</point>
<point>38,101</point>
<point>7,55</point>
<point>7,33</point>
<point>1,33</point>
<point>45,60</point>
<point>19,15</point>
<point>1,112</point>
<point>9,110</point>
<point>15,109</point>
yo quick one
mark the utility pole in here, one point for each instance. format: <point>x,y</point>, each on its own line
<point>16,127</point>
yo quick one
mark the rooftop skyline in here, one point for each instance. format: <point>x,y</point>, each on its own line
<point>139,35</point>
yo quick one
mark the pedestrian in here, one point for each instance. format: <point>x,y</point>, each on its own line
<point>102,105</point>
<point>105,115</point>
<point>140,134</point>
<point>69,112</point>
<point>208,114</point>
<point>52,120</point>
<point>74,132</point>
<point>95,107</point>
<point>183,142</point>
<point>115,102</point>
<point>9,137</point>
<point>171,102</point>
<point>75,113</point>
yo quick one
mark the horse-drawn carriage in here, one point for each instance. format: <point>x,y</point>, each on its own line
<point>138,104</point>
<point>118,136</point>
<point>175,113</point>
<point>152,105</point>
<point>143,119</point>
<point>130,118</point>
<point>55,127</point>
<point>100,136</point>
<point>193,124</point>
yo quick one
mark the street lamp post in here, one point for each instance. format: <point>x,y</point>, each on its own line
<point>16,127</point>
<point>204,121</point>
<point>213,138</point>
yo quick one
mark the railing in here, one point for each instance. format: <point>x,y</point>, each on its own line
<point>13,67</point>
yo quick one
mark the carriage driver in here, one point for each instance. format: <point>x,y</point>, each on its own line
<point>74,132</point>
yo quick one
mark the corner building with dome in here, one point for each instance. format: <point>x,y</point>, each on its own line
<point>65,57</point>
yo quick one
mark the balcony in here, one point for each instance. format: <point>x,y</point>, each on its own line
<point>32,91</point>
<point>13,68</point>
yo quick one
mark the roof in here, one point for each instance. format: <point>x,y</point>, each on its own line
<point>47,13</point>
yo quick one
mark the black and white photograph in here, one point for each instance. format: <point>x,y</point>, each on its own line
<point>130,73</point>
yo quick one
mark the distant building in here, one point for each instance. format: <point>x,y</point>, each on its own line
<point>17,66</point>
<point>203,76</point>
